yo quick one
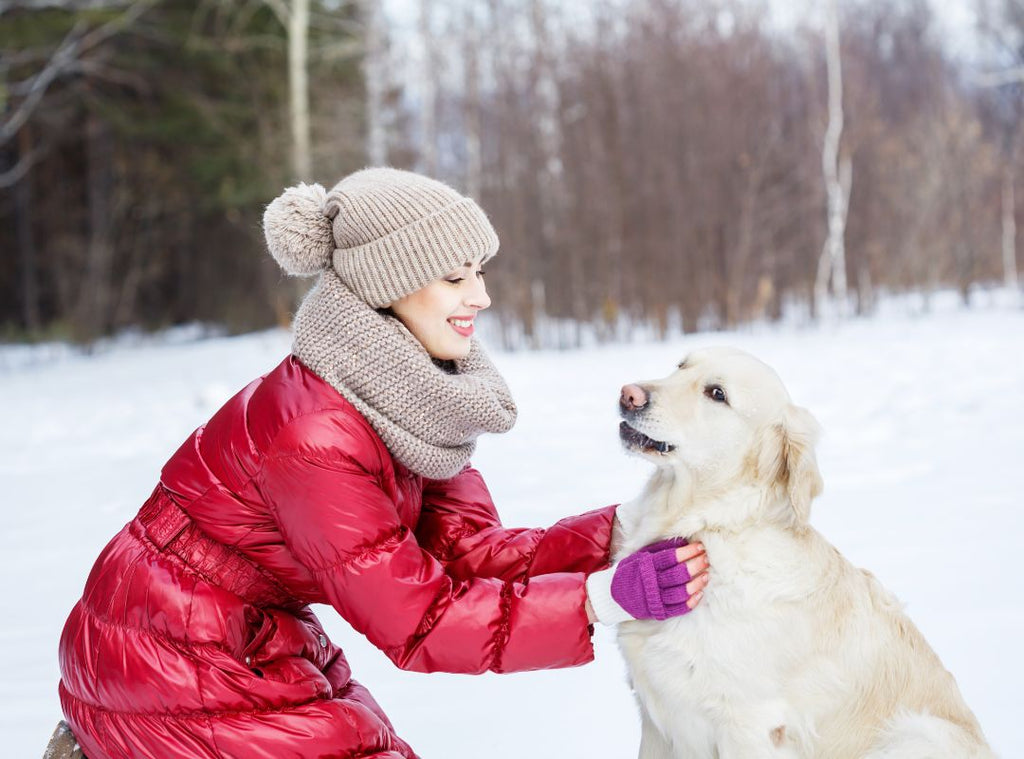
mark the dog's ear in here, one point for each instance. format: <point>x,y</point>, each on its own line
<point>786,458</point>
<point>803,481</point>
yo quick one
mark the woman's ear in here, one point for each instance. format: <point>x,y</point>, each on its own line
<point>785,458</point>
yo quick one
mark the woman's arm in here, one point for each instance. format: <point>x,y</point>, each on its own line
<point>460,526</point>
<point>340,524</point>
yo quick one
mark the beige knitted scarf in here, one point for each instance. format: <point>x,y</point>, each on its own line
<point>428,418</point>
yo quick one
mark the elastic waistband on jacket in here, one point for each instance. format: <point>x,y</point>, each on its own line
<point>173,531</point>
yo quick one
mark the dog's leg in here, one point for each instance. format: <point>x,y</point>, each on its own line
<point>653,744</point>
<point>923,736</point>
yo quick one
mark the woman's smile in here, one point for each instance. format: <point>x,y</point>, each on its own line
<point>442,315</point>
<point>463,325</point>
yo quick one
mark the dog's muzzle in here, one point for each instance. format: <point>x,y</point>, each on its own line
<point>634,439</point>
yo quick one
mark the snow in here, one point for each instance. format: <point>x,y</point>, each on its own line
<point>924,434</point>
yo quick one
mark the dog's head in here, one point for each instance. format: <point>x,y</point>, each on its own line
<point>725,421</point>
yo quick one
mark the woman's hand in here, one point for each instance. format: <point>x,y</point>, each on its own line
<point>662,580</point>
<point>696,561</point>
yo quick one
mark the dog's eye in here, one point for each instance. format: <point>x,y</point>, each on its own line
<point>716,393</point>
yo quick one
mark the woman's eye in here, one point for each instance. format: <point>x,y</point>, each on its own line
<point>716,393</point>
<point>454,281</point>
<point>481,273</point>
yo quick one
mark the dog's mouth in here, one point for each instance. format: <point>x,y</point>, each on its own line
<point>634,439</point>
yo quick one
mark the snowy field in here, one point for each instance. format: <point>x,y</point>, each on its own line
<point>923,459</point>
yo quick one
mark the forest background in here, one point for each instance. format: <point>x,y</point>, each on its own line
<point>654,164</point>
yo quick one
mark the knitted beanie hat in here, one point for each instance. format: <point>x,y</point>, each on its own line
<point>385,232</point>
<point>378,235</point>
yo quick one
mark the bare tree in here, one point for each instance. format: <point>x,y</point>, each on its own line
<point>1002,27</point>
<point>1008,111</point>
<point>72,56</point>
<point>294,16</point>
<point>472,109</point>
<point>29,279</point>
<point>838,175</point>
<point>298,87</point>
<point>375,76</point>
<point>428,86</point>
<point>1009,225</point>
<point>95,293</point>
<point>78,54</point>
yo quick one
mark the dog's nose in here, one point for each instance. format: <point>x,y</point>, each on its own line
<point>633,398</point>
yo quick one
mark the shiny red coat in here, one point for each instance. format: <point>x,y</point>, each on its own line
<point>194,638</point>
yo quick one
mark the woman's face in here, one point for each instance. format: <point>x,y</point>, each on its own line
<point>441,315</point>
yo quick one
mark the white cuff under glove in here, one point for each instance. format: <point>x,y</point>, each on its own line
<point>599,593</point>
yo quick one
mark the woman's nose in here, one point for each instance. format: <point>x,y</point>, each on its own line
<point>477,297</point>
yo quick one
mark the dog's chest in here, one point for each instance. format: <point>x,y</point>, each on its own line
<point>740,626</point>
<point>725,662</point>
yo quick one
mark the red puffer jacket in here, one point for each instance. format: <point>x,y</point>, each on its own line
<point>194,638</point>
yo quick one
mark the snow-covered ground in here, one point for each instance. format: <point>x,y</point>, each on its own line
<point>923,459</point>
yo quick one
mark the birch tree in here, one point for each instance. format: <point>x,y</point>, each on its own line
<point>1009,236</point>
<point>838,173</point>
<point>375,76</point>
<point>294,17</point>
<point>428,87</point>
<point>472,109</point>
<point>1008,115</point>
<point>1004,28</point>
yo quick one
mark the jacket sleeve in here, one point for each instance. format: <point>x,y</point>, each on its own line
<point>460,526</point>
<point>339,522</point>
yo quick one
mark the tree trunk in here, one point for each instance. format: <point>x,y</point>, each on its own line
<point>428,86</point>
<point>298,87</point>
<point>1009,229</point>
<point>838,176</point>
<point>375,72</point>
<point>473,116</point>
<point>26,241</point>
<point>545,89</point>
<point>95,296</point>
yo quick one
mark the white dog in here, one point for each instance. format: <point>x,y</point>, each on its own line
<point>794,652</point>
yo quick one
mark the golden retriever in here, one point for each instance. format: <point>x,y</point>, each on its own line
<point>794,652</point>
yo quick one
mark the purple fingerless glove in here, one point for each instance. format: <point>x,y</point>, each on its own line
<point>651,584</point>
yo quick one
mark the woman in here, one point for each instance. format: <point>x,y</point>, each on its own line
<point>343,477</point>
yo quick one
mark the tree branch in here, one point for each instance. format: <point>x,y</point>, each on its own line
<point>115,76</point>
<point>325,21</point>
<point>67,57</point>
<point>338,51</point>
<point>239,45</point>
<point>109,29</point>
<point>17,172</point>
<point>1013,75</point>
<point>280,10</point>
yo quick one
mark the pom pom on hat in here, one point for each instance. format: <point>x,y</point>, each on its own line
<point>299,234</point>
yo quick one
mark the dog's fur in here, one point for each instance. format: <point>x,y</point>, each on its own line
<point>793,652</point>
